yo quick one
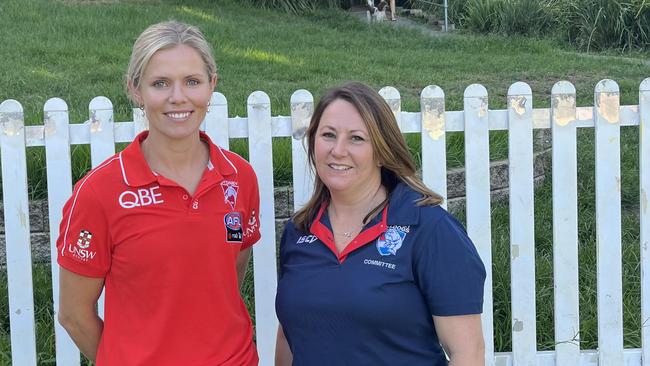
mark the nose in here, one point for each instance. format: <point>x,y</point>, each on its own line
<point>177,94</point>
<point>339,147</point>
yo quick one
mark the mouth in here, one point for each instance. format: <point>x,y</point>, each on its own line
<point>178,116</point>
<point>339,167</point>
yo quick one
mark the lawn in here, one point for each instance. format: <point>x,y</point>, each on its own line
<point>77,50</point>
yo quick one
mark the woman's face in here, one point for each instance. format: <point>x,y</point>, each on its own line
<point>175,90</point>
<point>343,151</point>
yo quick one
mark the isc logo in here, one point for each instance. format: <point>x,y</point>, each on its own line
<point>143,197</point>
<point>307,239</point>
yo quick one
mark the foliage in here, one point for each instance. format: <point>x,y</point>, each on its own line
<point>296,6</point>
<point>588,24</point>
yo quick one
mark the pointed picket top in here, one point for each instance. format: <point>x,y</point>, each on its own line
<point>55,105</point>
<point>259,99</point>
<point>11,117</point>
<point>99,103</point>
<point>520,99</point>
<point>607,100</point>
<point>432,107</point>
<point>302,108</point>
<point>476,97</point>
<point>563,103</point>
<point>394,100</point>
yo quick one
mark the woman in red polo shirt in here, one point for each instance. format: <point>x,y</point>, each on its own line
<point>165,226</point>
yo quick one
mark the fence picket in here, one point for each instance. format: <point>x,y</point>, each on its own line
<point>302,108</point>
<point>522,223</point>
<point>565,224</point>
<point>215,123</point>
<point>393,98</point>
<point>264,253</point>
<point>477,178</point>
<point>434,148</point>
<point>59,189</point>
<point>608,223</point>
<point>16,215</point>
<point>644,218</point>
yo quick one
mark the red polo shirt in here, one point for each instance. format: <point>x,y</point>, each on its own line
<point>168,259</point>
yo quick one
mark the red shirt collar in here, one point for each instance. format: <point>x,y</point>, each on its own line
<point>324,233</point>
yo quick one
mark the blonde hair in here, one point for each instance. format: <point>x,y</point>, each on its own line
<point>162,36</point>
<point>388,145</point>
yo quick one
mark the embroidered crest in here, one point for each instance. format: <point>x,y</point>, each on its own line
<point>84,239</point>
<point>390,241</point>
<point>230,189</point>
<point>234,232</point>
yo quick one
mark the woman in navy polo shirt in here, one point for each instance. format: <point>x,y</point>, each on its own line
<point>372,270</point>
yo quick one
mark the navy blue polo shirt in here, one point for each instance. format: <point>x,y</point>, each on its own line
<point>372,304</point>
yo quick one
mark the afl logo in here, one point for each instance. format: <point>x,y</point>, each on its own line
<point>233,220</point>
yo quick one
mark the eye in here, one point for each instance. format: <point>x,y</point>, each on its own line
<point>357,138</point>
<point>159,84</point>
<point>328,135</point>
<point>193,82</point>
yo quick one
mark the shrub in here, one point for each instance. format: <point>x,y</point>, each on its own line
<point>297,6</point>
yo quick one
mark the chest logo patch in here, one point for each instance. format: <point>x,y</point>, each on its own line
<point>234,232</point>
<point>390,241</point>
<point>230,189</point>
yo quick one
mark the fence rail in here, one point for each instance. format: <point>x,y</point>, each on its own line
<point>432,123</point>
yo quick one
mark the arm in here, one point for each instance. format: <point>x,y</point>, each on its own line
<point>77,314</point>
<point>462,339</point>
<point>283,355</point>
<point>242,264</point>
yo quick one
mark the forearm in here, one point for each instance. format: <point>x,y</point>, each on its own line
<point>467,360</point>
<point>283,355</point>
<point>85,331</point>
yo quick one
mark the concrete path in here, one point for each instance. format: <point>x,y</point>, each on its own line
<point>402,21</point>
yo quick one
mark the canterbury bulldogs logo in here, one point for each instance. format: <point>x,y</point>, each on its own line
<point>230,189</point>
<point>390,241</point>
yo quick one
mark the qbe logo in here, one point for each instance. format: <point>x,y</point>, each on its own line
<point>141,197</point>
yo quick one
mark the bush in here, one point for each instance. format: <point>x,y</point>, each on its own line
<point>587,24</point>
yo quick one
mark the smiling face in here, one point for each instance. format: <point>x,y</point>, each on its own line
<point>343,152</point>
<point>175,90</point>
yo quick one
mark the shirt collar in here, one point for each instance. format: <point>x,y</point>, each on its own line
<point>136,171</point>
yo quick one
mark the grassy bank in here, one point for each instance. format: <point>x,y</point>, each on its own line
<point>77,50</point>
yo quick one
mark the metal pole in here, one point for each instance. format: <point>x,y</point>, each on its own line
<point>446,21</point>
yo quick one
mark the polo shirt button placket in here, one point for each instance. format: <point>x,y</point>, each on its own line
<point>185,197</point>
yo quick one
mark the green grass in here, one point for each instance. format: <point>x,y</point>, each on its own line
<point>82,50</point>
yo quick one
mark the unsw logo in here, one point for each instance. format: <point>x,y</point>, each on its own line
<point>80,251</point>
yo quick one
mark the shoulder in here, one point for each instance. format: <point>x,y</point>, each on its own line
<point>103,176</point>
<point>244,168</point>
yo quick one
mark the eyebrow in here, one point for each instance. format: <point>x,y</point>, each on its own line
<point>351,131</point>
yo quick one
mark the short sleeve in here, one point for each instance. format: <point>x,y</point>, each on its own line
<point>448,269</point>
<point>84,245</point>
<point>252,220</point>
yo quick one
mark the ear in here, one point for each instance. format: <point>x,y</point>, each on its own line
<point>213,81</point>
<point>135,92</point>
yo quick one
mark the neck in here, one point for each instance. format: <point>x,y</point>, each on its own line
<point>164,155</point>
<point>356,208</point>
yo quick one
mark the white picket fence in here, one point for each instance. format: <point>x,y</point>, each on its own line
<point>432,122</point>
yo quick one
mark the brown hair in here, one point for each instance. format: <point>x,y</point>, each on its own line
<point>388,145</point>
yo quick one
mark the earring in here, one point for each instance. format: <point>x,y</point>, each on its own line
<point>209,105</point>
<point>144,113</point>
